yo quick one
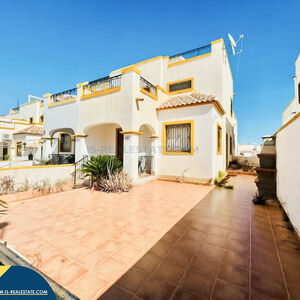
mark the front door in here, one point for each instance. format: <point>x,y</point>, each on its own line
<point>5,151</point>
<point>119,144</point>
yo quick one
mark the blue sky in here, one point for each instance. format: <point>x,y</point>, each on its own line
<point>50,46</point>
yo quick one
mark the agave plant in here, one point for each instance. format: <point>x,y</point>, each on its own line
<point>100,166</point>
<point>221,179</point>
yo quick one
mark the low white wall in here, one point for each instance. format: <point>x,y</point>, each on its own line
<point>252,160</point>
<point>15,163</point>
<point>35,174</point>
<point>288,169</point>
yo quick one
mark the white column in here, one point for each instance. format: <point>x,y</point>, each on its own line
<point>154,153</point>
<point>130,156</point>
<point>80,147</point>
<point>47,149</point>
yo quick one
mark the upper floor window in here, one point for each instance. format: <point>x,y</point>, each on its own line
<point>178,137</point>
<point>65,142</point>
<point>231,106</point>
<point>231,145</point>
<point>181,86</point>
<point>41,119</point>
<point>31,120</point>
<point>299,92</point>
<point>219,139</point>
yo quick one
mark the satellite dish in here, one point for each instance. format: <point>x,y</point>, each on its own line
<point>233,50</point>
<point>232,42</point>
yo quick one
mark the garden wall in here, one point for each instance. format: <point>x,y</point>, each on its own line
<point>288,170</point>
<point>35,174</point>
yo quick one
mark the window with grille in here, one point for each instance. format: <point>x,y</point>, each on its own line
<point>180,86</point>
<point>178,138</point>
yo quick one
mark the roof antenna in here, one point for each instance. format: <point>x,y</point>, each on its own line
<point>234,45</point>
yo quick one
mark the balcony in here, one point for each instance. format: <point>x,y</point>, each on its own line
<point>148,88</point>
<point>63,97</point>
<point>101,86</point>
<point>189,54</point>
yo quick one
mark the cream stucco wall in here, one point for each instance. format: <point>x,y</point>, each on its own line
<point>288,168</point>
<point>200,164</point>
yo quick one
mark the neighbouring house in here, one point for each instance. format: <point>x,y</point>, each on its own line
<point>21,131</point>
<point>287,153</point>
<point>169,116</point>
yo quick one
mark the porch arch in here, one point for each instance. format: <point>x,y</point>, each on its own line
<point>104,139</point>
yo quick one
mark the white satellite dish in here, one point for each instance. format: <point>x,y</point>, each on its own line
<point>232,42</point>
<point>233,50</point>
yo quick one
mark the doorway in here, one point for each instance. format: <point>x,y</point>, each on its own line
<point>119,144</point>
<point>227,151</point>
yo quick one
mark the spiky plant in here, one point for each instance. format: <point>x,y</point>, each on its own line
<point>99,167</point>
<point>221,179</point>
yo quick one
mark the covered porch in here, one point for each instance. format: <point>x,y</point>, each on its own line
<point>136,149</point>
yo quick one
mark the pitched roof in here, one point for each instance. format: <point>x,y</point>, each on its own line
<point>191,99</point>
<point>32,130</point>
<point>186,99</point>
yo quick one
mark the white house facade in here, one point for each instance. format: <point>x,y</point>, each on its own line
<point>21,131</point>
<point>171,117</point>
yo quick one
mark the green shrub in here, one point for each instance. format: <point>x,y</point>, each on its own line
<point>221,179</point>
<point>101,166</point>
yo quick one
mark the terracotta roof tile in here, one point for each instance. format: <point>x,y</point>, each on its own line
<point>186,99</point>
<point>33,130</point>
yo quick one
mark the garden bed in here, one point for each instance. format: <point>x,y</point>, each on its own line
<point>20,196</point>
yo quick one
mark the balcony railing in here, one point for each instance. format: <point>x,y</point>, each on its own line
<point>61,159</point>
<point>189,54</point>
<point>102,84</point>
<point>145,165</point>
<point>66,95</point>
<point>147,86</point>
<point>16,109</point>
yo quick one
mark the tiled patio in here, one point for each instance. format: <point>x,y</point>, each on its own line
<point>224,248</point>
<point>86,240</point>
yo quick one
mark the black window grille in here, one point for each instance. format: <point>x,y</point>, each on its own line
<point>183,85</point>
<point>178,138</point>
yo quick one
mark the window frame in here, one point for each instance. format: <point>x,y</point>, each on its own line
<point>16,149</point>
<point>60,135</point>
<point>181,91</point>
<point>164,137</point>
<point>219,139</point>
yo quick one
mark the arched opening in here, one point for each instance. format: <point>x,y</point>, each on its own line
<point>145,159</point>
<point>105,139</point>
<point>62,146</point>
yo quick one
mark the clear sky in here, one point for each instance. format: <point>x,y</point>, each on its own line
<point>50,46</point>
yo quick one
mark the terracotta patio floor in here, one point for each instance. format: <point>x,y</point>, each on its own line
<point>224,248</point>
<point>86,240</point>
